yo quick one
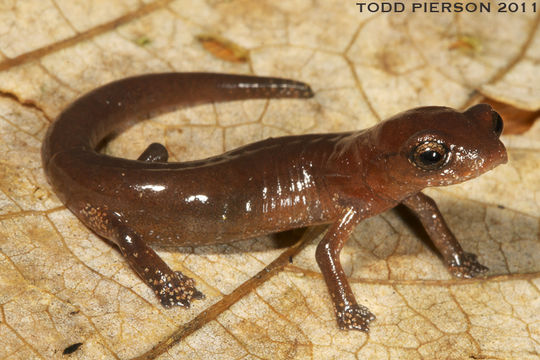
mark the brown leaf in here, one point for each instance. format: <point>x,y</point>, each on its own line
<point>60,285</point>
<point>222,48</point>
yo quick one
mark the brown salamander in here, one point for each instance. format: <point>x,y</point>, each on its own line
<point>269,186</point>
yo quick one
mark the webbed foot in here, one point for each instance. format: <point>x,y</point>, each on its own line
<point>171,287</point>
<point>355,317</point>
<point>466,266</point>
<point>178,291</point>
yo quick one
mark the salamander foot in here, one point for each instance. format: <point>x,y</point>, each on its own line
<point>179,291</point>
<point>355,317</point>
<point>466,266</point>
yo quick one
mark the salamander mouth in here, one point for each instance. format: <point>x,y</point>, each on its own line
<point>502,154</point>
<point>494,158</point>
<point>485,161</point>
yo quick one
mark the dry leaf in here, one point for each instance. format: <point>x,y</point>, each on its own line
<point>223,48</point>
<point>60,285</point>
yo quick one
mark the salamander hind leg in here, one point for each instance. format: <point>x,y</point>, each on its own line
<point>172,287</point>
<point>155,152</point>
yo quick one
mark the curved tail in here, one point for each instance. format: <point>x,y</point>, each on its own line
<point>97,114</point>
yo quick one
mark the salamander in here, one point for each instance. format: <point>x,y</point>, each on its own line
<point>268,186</point>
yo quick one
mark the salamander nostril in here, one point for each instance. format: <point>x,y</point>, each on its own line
<point>497,123</point>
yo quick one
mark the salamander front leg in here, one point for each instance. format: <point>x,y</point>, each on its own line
<point>172,288</point>
<point>459,263</point>
<point>155,152</point>
<point>349,314</point>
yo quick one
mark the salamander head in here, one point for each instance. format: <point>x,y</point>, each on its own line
<point>434,146</point>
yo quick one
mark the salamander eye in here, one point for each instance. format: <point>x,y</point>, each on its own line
<point>497,123</point>
<point>430,155</point>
